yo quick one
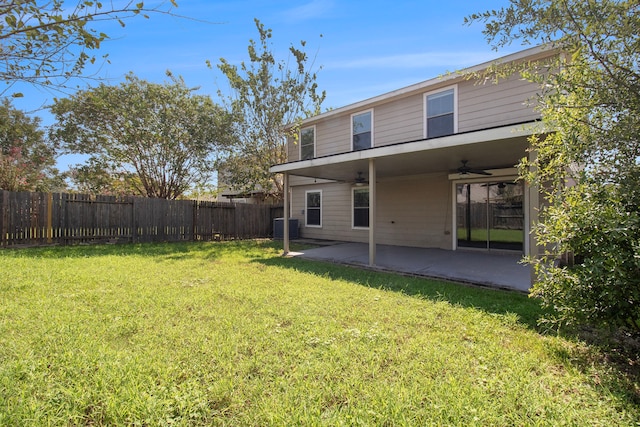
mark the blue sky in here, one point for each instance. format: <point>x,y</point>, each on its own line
<point>367,48</point>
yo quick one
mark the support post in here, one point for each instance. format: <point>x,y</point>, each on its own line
<point>372,212</point>
<point>285,238</point>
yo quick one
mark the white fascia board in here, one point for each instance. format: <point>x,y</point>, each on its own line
<point>494,134</point>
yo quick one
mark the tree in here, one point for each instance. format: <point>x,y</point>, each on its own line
<point>159,139</point>
<point>267,96</point>
<point>46,42</point>
<point>587,166</point>
<point>26,159</point>
<point>93,177</point>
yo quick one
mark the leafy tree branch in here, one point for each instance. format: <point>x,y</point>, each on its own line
<point>268,95</point>
<point>587,162</point>
<point>159,138</point>
<point>47,43</point>
<point>27,159</point>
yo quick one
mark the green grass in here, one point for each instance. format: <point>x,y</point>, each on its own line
<point>233,334</point>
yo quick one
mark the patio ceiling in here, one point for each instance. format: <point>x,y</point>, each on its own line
<point>486,149</point>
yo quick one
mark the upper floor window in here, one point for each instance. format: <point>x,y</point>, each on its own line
<point>307,143</point>
<point>361,131</point>
<point>440,113</point>
<point>313,208</point>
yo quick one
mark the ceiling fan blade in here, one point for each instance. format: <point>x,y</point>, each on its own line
<point>464,170</point>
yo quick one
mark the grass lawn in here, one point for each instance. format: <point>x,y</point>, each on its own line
<point>233,334</point>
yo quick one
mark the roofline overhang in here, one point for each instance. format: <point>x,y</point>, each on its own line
<point>451,141</point>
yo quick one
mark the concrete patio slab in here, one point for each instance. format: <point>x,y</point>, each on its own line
<point>493,269</point>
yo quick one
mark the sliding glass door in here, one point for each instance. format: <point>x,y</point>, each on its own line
<point>490,215</point>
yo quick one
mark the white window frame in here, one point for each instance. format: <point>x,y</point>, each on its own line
<point>353,207</point>
<point>359,113</point>
<point>314,141</point>
<point>426,95</point>
<point>498,174</point>
<point>306,209</point>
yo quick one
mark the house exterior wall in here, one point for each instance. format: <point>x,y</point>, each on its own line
<point>398,121</point>
<point>402,119</point>
<point>333,136</point>
<point>490,105</point>
<point>412,211</point>
<point>416,188</point>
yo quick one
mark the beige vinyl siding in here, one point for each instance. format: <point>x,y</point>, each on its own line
<point>402,119</point>
<point>393,122</point>
<point>333,135</point>
<point>293,150</point>
<point>489,105</point>
<point>398,121</point>
<point>415,211</point>
<point>336,213</point>
<point>412,211</point>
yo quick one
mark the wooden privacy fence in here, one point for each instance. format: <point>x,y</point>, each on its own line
<point>502,216</point>
<point>59,218</point>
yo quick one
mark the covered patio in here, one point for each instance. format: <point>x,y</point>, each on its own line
<point>501,270</point>
<point>495,151</point>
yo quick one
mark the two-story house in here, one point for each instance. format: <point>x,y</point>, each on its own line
<point>429,165</point>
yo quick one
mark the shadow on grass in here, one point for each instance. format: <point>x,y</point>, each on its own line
<point>611,359</point>
<point>481,298</point>
<point>611,367</point>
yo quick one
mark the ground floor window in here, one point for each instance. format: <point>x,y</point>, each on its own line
<point>361,207</point>
<point>313,209</point>
<point>490,215</point>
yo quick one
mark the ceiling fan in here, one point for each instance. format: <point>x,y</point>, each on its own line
<point>466,170</point>
<point>360,180</point>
